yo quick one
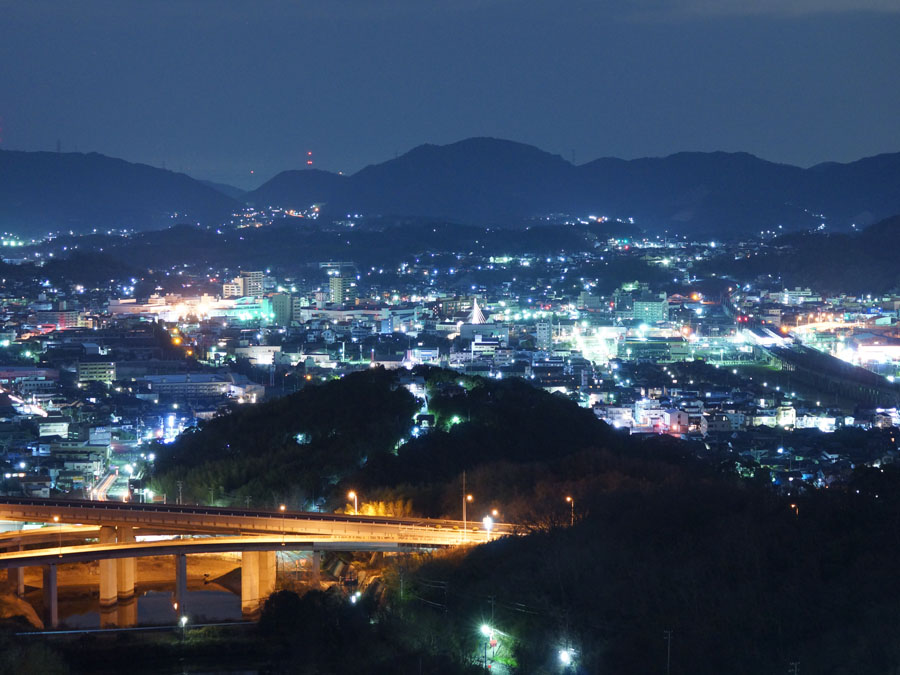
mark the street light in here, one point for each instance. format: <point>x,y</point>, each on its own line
<point>183,621</point>
<point>488,524</point>
<point>58,533</point>
<point>466,500</point>
<point>488,633</point>
<point>283,524</point>
<point>352,495</point>
<point>572,503</point>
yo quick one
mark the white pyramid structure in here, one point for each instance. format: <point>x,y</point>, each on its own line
<point>476,316</point>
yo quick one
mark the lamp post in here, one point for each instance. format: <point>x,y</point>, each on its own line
<point>487,631</point>
<point>466,500</point>
<point>488,524</point>
<point>283,524</point>
<point>572,504</point>
<point>352,495</point>
<point>58,534</point>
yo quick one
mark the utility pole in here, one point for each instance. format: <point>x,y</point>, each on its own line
<point>465,499</point>
<point>668,637</point>
<point>464,506</point>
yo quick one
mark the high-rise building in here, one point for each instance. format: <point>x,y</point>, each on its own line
<point>543,335</point>
<point>343,289</point>
<point>650,308</point>
<point>253,283</point>
<point>282,308</point>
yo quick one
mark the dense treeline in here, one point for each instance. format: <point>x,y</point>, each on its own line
<point>665,537</point>
<point>747,581</point>
<point>357,432</point>
<point>292,448</point>
<point>833,263</point>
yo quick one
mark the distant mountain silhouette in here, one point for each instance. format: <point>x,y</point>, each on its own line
<point>479,181</point>
<point>495,182</point>
<point>45,191</point>
<point>235,193</point>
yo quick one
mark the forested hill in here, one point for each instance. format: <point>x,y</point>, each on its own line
<point>488,181</point>
<point>861,263</point>
<point>44,192</point>
<point>666,536</point>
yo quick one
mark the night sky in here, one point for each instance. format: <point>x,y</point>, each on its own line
<point>217,88</point>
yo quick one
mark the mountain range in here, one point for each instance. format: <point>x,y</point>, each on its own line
<point>42,192</point>
<point>479,181</point>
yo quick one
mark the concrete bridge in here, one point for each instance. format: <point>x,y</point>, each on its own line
<point>256,534</point>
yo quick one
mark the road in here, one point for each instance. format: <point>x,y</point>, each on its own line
<point>88,552</point>
<point>102,489</point>
<point>221,521</point>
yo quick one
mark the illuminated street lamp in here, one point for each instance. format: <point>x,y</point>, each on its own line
<point>183,621</point>
<point>283,524</point>
<point>352,495</point>
<point>572,504</point>
<point>487,631</point>
<point>58,533</point>
<point>467,500</point>
<point>488,524</point>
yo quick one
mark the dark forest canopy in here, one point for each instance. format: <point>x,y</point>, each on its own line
<point>861,263</point>
<point>666,535</point>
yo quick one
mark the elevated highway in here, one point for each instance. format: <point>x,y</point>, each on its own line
<point>115,550</point>
<point>256,534</point>
<point>215,520</point>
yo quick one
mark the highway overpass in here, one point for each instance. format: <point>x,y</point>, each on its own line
<point>256,534</point>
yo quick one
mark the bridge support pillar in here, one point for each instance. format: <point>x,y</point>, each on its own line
<point>126,568</point>
<point>108,587</point>
<point>16,578</point>
<point>181,583</point>
<point>258,570</point>
<point>51,602</point>
<point>316,567</point>
<point>250,584</point>
<point>268,569</point>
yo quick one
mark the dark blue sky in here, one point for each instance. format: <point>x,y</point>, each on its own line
<point>218,88</point>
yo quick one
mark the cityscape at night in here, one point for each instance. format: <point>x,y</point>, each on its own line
<point>345,382</point>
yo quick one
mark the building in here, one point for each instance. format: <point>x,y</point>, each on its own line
<point>97,371</point>
<point>283,308</point>
<point>543,335</point>
<point>253,283</point>
<point>190,385</point>
<point>202,386</point>
<point>233,288</point>
<point>651,309</point>
<point>61,319</point>
<point>342,289</point>
<point>53,426</point>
